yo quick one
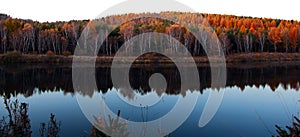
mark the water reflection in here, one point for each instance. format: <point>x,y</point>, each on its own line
<point>48,89</point>
<point>254,112</point>
<point>51,129</point>
<point>114,127</point>
<point>289,131</point>
<point>17,122</point>
<point>24,79</point>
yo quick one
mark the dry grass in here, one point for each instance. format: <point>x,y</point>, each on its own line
<point>50,57</point>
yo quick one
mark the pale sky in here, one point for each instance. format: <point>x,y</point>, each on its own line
<point>53,10</point>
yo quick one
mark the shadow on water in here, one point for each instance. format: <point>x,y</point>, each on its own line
<point>35,79</point>
<point>28,80</point>
<point>25,79</point>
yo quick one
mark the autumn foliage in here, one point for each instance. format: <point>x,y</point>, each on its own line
<point>236,34</point>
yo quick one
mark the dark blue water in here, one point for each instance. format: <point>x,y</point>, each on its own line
<point>252,104</point>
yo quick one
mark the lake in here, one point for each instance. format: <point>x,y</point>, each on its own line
<point>257,97</point>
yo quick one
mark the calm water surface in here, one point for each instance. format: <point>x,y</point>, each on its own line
<point>256,98</point>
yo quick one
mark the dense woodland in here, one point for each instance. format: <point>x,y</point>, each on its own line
<point>236,34</point>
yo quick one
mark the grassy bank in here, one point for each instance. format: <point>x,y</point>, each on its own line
<point>15,57</point>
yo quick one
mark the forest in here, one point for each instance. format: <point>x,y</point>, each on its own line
<point>236,34</point>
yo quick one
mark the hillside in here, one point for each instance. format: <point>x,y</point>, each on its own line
<point>236,34</point>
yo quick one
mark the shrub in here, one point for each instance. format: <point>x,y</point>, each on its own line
<point>66,53</point>
<point>257,55</point>
<point>14,52</point>
<point>289,131</point>
<point>12,56</point>
<point>33,53</point>
<point>50,53</point>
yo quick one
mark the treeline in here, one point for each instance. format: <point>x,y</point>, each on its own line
<point>236,34</point>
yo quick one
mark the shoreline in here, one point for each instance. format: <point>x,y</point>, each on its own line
<point>234,58</point>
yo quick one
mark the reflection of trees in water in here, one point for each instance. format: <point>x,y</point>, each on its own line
<point>25,80</point>
<point>17,123</point>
